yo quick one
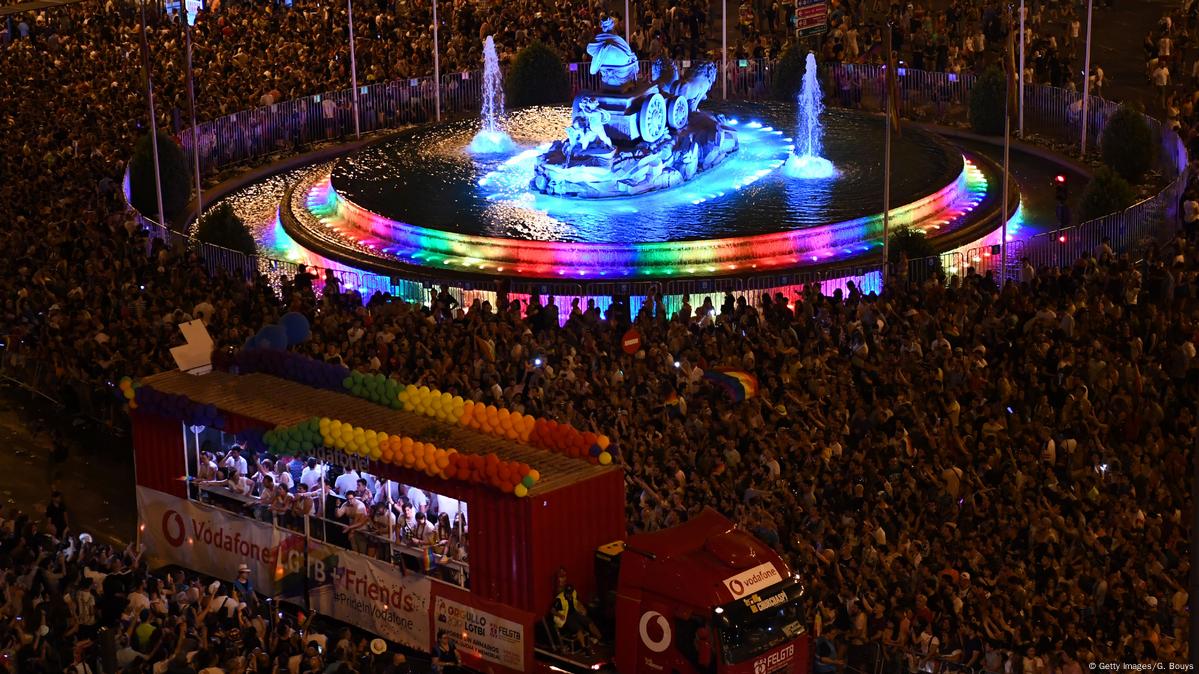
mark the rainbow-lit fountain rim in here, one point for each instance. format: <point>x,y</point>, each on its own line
<point>336,224</point>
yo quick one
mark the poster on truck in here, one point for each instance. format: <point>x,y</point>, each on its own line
<point>365,592</point>
<point>480,633</point>
<point>369,593</point>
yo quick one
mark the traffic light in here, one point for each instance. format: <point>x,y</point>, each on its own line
<point>1062,187</point>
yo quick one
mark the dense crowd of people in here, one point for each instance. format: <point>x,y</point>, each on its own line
<point>1026,511</point>
<point>72,604</point>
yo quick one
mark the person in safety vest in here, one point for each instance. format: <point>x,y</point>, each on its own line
<point>570,617</point>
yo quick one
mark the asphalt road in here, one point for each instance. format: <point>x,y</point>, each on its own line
<point>96,478</point>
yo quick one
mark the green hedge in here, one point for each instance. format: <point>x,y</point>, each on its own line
<point>175,175</point>
<point>788,73</point>
<point>222,227</point>
<point>1108,192</point>
<point>1127,144</point>
<point>537,76</point>
<point>987,101</point>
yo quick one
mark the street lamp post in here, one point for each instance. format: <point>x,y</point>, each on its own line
<point>1021,84</point>
<point>1086,81</point>
<point>436,65</point>
<point>353,70</point>
<point>153,117</point>
<point>724,49</point>
<point>191,99</point>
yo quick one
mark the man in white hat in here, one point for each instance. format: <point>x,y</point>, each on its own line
<point>243,584</point>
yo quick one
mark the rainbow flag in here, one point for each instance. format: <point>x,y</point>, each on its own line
<point>739,385</point>
<point>674,404</point>
<point>429,559</point>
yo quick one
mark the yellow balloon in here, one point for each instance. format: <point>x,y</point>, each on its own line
<point>605,458</point>
<point>520,491</point>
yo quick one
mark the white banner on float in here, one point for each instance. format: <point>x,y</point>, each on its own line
<point>487,635</point>
<point>354,588</point>
<point>369,593</point>
<point>205,539</point>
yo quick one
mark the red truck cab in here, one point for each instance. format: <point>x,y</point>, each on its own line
<point>706,597</point>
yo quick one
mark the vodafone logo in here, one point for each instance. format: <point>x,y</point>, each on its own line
<point>662,642</point>
<point>752,580</point>
<point>173,528</point>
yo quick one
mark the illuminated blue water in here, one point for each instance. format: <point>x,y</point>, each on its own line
<point>425,177</point>
<point>491,139</point>
<point>807,161</point>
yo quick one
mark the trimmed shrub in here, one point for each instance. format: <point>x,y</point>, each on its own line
<point>174,173</point>
<point>222,227</point>
<point>537,76</point>
<point>1127,144</point>
<point>923,261</point>
<point>987,101</point>
<point>1108,192</point>
<point>788,73</point>
<point>908,239</point>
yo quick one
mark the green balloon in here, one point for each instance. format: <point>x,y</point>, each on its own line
<point>527,481</point>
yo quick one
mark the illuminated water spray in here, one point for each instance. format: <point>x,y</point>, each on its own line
<point>492,139</point>
<point>806,162</point>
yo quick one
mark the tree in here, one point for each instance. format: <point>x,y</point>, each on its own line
<point>222,227</point>
<point>537,76</point>
<point>987,100</point>
<point>788,73</point>
<point>923,261</point>
<point>1108,192</point>
<point>174,173</point>
<point>1127,144</point>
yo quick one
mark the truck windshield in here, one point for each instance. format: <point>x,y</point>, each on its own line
<point>745,634</point>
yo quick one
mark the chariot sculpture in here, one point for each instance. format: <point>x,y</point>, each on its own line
<point>632,135</point>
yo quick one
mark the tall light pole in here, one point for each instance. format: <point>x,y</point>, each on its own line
<point>1086,81</point>
<point>153,117</point>
<point>724,49</point>
<point>353,70</point>
<point>890,120</point>
<point>191,99</point>
<point>1021,84</point>
<point>436,65</point>
<point>627,21</point>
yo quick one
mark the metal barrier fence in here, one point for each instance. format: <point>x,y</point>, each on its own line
<point>290,125</point>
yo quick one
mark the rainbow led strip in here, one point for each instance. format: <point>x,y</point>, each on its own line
<point>342,223</point>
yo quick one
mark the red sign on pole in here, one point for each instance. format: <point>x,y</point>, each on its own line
<point>631,342</point>
<point>811,17</point>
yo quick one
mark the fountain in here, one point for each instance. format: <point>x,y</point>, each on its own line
<point>635,136</point>
<point>492,139</point>
<point>806,163</point>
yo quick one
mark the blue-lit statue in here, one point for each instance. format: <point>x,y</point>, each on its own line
<point>635,136</point>
<point>612,57</point>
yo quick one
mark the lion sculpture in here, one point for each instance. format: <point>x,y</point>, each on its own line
<point>694,87</point>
